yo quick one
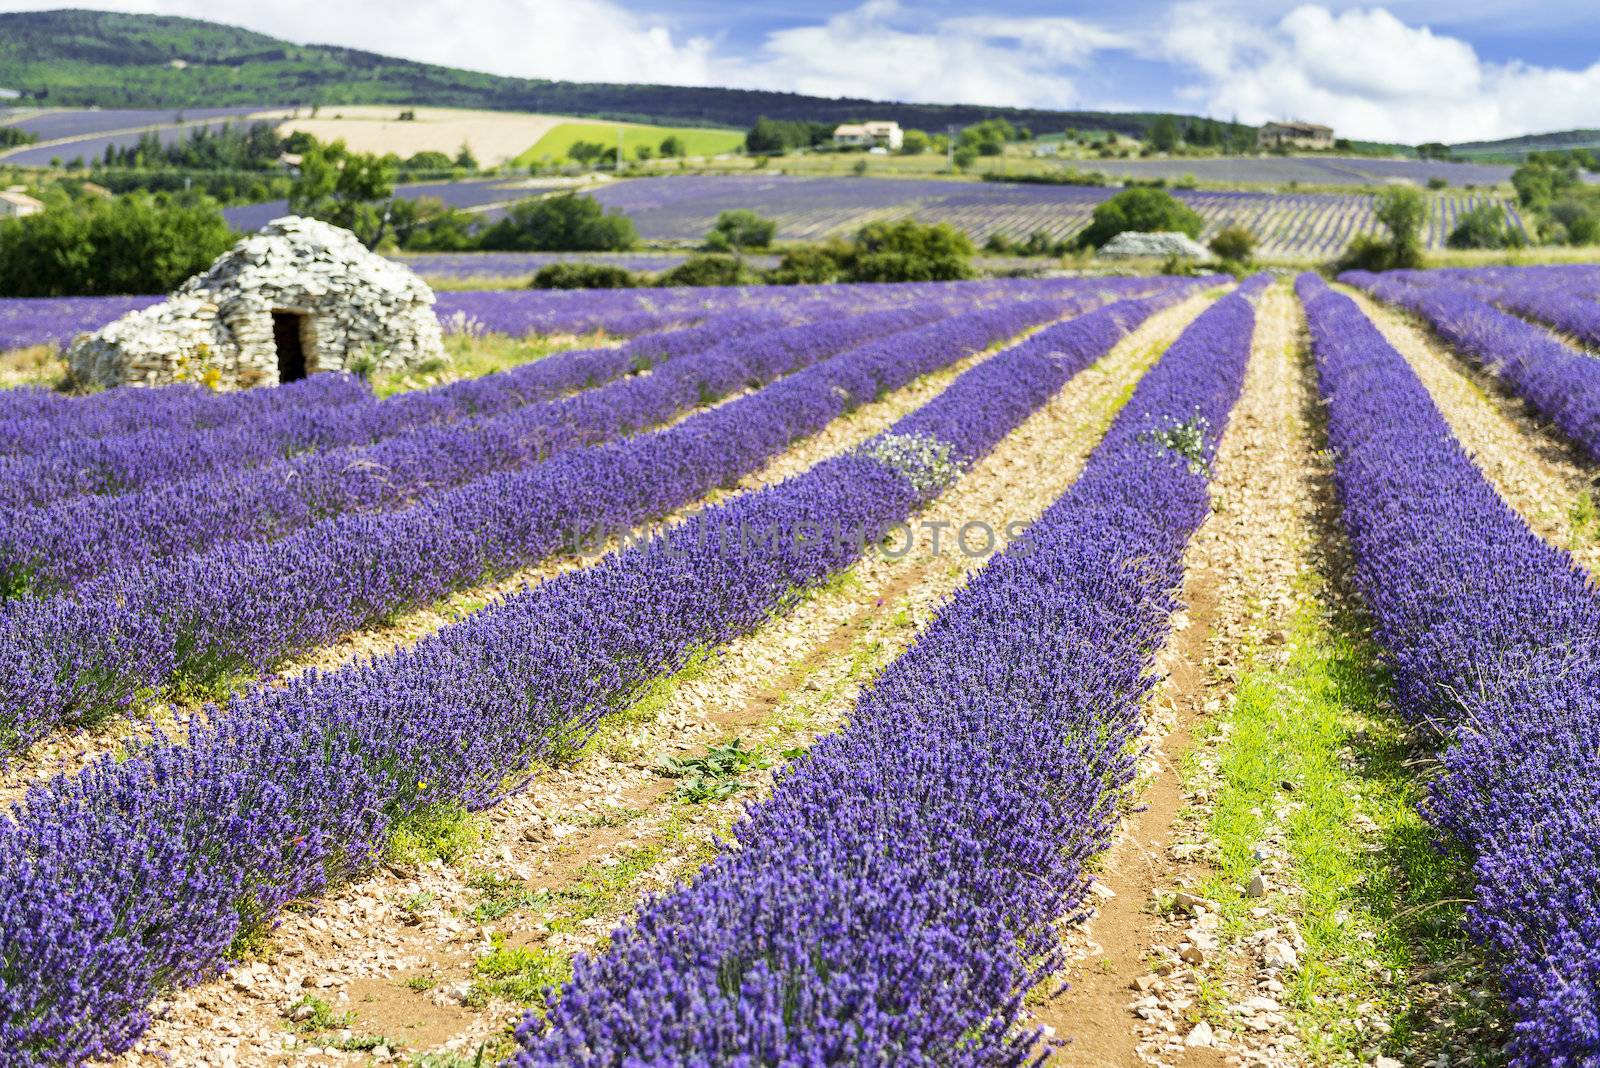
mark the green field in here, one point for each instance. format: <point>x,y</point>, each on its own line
<point>697,141</point>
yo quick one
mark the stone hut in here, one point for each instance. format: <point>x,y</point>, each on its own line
<point>299,297</point>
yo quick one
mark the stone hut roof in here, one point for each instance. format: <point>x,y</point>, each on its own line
<point>1131,243</point>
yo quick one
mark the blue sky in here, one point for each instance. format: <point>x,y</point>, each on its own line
<point>1408,70</point>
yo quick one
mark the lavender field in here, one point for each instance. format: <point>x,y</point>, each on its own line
<point>1289,226</point>
<point>806,674</point>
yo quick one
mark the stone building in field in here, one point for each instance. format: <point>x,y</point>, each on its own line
<point>299,297</point>
<point>1295,135</point>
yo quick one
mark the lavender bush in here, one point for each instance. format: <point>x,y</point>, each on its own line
<point>242,608</point>
<point>897,896</point>
<point>1494,637</point>
<point>140,873</point>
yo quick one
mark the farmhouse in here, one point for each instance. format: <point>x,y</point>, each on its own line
<point>1295,135</point>
<point>299,297</point>
<point>15,203</point>
<point>869,134</point>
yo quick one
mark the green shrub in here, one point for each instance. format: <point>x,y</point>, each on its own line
<point>564,223</point>
<point>140,243</point>
<point>709,271</point>
<point>579,275</point>
<point>1142,210</point>
<point>1485,226</point>
<point>740,228</point>
<point>908,251</point>
<point>812,265</point>
<point>1234,243</point>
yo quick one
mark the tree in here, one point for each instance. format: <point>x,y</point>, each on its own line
<point>987,138</point>
<point>348,189</point>
<point>964,157</point>
<point>643,153</point>
<point>428,224</point>
<point>465,159</point>
<point>586,152</point>
<point>1163,133</point>
<point>427,160</point>
<point>1234,244</point>
<point>914,143</point>
<point>672,147</point>
<point>141,243</point>
<point>567,222</point>
<point>1142,210</point>
<point>740,228</point>
<point>766,138</point>
<point>1578,219</point>
<point>1402,210</point>
<point>1542,179</point>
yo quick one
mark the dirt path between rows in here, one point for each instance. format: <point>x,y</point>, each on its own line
<point>399,951</point>
<point>1135,987</point>
<point>1539,473</point>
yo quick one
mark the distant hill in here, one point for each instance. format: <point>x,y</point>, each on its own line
<point>1516,149</point>
<point>76,58</point>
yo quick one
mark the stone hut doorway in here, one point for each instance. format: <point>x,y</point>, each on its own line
<point>288,337</point>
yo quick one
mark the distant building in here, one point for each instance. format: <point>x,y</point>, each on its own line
<point>14,204</point>
<point>10,94</point>
<point>869,134</point>
<point>1295,135</point>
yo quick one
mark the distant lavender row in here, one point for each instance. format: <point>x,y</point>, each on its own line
<point>36,420</point>
<point>116,465</point>
<point>55,125</point>
<point>1495,640</point>
<point>244,607</point>
<point>115,890</point>
<point>27,321</point>
<point>126,463</point>
<point>807,208</point>
<point>899,894</point>
<point>45,549</point>
<point>462,265</point>
<point>1559,382</point>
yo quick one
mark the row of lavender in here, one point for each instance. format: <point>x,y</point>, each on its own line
<point>398,450</point>
<point>140,873</point>
<point>1560,382</point>
<point>29,416</point>
<point>1567,297</point>
<point>875,909</point>
<point>27,321</point>
<point>195,622</point>
<point>1495,641</point>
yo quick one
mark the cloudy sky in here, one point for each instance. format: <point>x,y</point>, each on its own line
<point>1412,70</point>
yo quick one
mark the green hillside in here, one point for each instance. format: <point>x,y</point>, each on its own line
<point>75,58</point>
<point>1516,149</point>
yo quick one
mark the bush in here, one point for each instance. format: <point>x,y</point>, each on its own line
<point>812,265</point>
<point>140,243</point>
<point>1141,210</point>
<point>565,223</point>
<point>709,271</point>
<point>1485,226</point>
<point>1234,244</point>
<point>1365,252</point>
<point>740,228</point>
<point>907,251</point>
<point>579,275</point>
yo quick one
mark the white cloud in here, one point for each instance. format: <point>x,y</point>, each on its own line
<point>879,49</point>
<point>883,51</point>
<point>1369,75</point>
<point>581,40</point>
